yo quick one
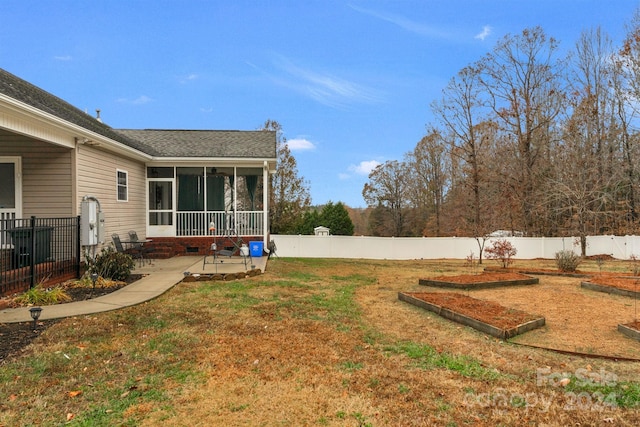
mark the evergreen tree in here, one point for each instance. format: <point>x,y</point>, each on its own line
<point>336,218</point>
<point>310,220</point>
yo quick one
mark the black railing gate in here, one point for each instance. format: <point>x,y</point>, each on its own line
<point>35,250</point>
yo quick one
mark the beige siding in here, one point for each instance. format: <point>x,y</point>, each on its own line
<point>97,177</point>
<point>46,175</point>
<point>48,188</point>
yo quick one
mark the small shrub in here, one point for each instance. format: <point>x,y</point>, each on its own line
<point>502,251</point>
<point>39,295</point>
<point>471,263</point>
<point>111,264</point>
<point>567,261</point>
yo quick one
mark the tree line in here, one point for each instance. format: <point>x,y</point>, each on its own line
<point>524,140</point>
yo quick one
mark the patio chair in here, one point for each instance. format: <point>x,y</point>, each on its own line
<point>140,245</point>
<point>134,252</point>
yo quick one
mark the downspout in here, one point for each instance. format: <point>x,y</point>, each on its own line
<point>235,198</point>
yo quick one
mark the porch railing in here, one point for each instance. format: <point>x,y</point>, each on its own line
<point>36,249</point>
<point>242,223</point>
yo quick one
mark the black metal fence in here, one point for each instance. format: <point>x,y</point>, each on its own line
<point>36,250</point>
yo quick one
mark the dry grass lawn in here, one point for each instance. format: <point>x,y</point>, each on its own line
<point>327,343</point>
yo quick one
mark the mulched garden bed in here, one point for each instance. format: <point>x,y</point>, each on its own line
<point>14,337</point>
<point>626,286</point>
<point>485,316</point>
<point>484,280</point>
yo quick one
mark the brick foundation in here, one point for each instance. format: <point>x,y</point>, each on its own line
<point>167,247</point>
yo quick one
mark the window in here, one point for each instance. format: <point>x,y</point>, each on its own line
<point>123,186</point>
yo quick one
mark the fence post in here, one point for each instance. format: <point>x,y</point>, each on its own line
<point>78,249</point>
<point>32,253</point>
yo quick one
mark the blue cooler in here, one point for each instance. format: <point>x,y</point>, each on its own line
<point>255,248</point>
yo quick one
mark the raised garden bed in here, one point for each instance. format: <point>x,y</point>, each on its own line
<point>485,316</point>
<point>625,286</point>
<point>541,272</point>
<point>632,330</point>
<point>480,281</point>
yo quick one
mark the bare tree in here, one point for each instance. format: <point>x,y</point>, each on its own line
<point>523,80</point>
<point>458,111</point>
<point>591,95</point>
<point>625,79</point>
<point>582,187</point>
<point>386,190</point>
<point>428,170</point>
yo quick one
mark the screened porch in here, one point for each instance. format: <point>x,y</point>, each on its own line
<point>206,201</point>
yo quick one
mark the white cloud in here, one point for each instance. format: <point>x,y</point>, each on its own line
<point>188,78</point>
<point>63,58</point>
<point>364,168</point>
<point>343,176</point>
<point>486,31</point>
<point>327,89</point>
<point>404,23</point>
<point>142,99</point>
<point>300,144</point>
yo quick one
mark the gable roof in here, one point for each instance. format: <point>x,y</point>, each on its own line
<point>25,92</point>
<point>157,143</point>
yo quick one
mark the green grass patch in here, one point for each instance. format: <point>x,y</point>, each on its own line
<point>338,304</point>
<point>607,393</point>
<point>302,276</point>
<point>351,366</point>
<point>426,357</point>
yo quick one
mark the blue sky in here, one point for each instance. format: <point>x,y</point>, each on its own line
<point>349,81</point>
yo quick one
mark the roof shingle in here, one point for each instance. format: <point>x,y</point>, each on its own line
<point>205,143</point>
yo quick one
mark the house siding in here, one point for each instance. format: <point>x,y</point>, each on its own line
<point>46,175</point>
<point>98,170</point>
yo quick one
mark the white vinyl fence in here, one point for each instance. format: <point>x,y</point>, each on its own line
<point>367,247</point>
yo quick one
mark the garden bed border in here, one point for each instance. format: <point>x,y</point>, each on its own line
<point>487,328</point>
<point>609,289</point>
<point>479,285</point>
<point>629,332</point>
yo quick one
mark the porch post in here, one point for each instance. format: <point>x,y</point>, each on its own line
<point>265,203</point>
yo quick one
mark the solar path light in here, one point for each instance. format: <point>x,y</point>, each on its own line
<point>35,315</point>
